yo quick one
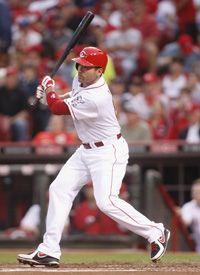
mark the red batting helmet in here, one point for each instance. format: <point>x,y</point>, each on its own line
<point>92,57</point>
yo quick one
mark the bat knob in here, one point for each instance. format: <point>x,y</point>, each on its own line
<point>33,101</point>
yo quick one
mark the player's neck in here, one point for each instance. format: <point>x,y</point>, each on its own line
<point>86,84</point>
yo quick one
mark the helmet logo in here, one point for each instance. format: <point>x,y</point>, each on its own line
<point>83,54</point>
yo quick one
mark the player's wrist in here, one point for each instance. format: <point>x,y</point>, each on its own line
<point>49,90</point>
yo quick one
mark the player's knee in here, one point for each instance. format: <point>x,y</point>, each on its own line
<point>56,192</point>
<point>104,204</point>
<point>53,188</point>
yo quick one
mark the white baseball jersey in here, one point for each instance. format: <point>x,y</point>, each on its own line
<point>190,213</point>
<point>92,111</point>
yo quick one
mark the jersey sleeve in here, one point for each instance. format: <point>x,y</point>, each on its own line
<point>82,107</point>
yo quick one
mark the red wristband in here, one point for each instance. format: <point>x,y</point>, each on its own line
<point>57,105</point>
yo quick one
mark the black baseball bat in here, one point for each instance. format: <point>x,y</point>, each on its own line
<point>74,40</point>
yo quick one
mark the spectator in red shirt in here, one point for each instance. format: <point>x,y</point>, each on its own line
<point>56,133</point>
<point>186,13</point>
<point>152,5</point>
<point>159,122</point>
<point>189,51</point>
<point>178,114</point>
<point>184,48</point>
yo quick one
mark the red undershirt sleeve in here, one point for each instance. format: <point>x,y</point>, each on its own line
<point>57,105</point>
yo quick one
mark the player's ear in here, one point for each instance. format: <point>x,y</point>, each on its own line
<point>100,71</point>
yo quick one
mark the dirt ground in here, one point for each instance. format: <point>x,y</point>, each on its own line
<point>105,269</point>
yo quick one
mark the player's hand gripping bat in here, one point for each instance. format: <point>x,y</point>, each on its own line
<point>74,40</point>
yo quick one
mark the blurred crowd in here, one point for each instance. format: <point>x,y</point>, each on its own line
<point>153,69</point>
<point>85,218</point>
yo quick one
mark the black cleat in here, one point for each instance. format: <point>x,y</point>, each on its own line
<point>38,258</point>
<point>159,246</point>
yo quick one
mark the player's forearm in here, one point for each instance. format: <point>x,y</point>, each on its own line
<point>66,95</point>
<point>56,104</point>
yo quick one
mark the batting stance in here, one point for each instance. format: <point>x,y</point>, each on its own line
<point>102,158</point>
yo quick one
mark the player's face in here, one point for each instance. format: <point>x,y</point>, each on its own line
<point>88,75</point>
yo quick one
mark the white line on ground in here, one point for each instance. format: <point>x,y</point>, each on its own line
<point>78,270</point>
<point>65,270</point>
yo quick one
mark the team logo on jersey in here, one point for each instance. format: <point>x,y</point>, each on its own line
<point>77,100</point>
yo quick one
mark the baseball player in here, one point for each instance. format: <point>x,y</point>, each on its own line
<point>102,158</point>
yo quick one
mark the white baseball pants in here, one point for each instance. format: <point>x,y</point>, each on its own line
<point>106,167</point>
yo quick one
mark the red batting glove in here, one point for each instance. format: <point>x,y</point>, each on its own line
<point>48,82</point>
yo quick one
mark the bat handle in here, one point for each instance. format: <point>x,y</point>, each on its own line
<point>34,100</point>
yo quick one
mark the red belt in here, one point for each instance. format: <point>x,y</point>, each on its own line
<point>98,144</point>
